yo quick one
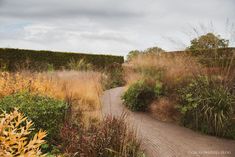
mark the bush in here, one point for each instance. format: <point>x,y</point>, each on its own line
<point>15,139</point>
<point>46,113</point>
<point>207,106</point>
<point>111,138</point>
<point>140,94</point>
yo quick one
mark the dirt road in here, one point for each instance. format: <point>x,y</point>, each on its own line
<point>164,139</point>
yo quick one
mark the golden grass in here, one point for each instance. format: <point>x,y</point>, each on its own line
<point>177,70</point>
<point>83,86</point>
<point>81,89</point>
<point>84,89</point>
<point>15,82</point>
<point>175,67</point>
<point>174,70</point>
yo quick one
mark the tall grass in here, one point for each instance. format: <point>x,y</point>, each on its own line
<point>169,68</point>
<point>11,83</point>
<point>80,89</point>
<point>84,132</point>
<point>112,137</point>
<point>212,101</point>
<point>83,90</point>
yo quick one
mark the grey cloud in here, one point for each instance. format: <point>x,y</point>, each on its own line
<point>108,36</point>
<point>71,9</point>
<point>107,25</point>
<point>68,13</point>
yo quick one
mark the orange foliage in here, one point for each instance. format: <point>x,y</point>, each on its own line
<point>14,136</point>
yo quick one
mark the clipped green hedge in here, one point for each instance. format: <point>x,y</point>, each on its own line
<point>45,112</point>
<point>221,57</point>
<point>11,58</point>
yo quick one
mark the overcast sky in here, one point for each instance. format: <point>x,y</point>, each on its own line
<point>111,26</point>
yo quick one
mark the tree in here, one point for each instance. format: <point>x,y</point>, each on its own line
<point>208,41</point>
<point>132,54</point>
<point>154,50</point>
<point>151,50</point>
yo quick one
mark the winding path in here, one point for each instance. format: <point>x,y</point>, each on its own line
<point>162,139</point>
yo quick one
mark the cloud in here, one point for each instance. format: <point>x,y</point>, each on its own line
<point>107,25</point>
<point>65,9</point>
<point>68,13</point>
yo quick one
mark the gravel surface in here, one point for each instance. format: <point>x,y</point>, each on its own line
<point>162,139</point>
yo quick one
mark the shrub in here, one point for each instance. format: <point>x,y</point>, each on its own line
<point>139,95</point>
<point>15,140</point>
<point>111,138</point>
<point>207,106</point>
<point>46,113</point>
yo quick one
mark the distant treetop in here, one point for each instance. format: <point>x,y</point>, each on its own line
<point>134,53</point>
<point>208,41</point>
<point>154,50</point>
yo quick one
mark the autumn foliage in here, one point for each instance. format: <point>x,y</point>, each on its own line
<point>15,130</point>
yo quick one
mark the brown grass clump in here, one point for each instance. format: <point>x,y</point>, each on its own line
<point>164,109</point>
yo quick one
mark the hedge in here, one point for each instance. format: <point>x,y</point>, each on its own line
<point>209,57</point>
<point>12,58</point>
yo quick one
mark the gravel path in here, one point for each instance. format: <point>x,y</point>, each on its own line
<point>162,139</point>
